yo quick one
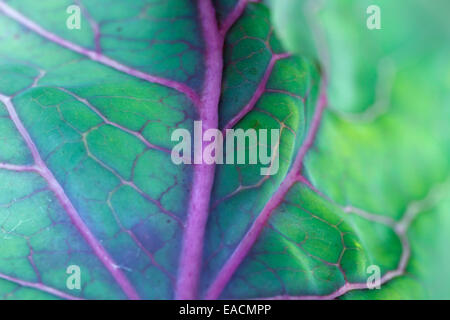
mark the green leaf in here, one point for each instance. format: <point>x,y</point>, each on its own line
<point>383,147</point>
<point>361,63</point>
<point>87,180</point>
<point>87,117</point>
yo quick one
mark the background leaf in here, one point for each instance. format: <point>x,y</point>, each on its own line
<point>384,142</point>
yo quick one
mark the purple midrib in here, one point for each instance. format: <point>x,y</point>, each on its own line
<point>207,105</point>
<point>203,179</point>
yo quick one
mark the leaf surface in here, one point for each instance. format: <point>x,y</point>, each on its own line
<point>383,147</point>
<point>86,122</point>
<point>87,178</point>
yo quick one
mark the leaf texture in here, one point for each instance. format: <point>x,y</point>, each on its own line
<point>86,176</point>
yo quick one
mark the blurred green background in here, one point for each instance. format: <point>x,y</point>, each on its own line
<point>385,140</point>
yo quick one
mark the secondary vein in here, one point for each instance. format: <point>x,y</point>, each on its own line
<point>97,56</point>
<point>40,287</point>
<point>294,176</point>
<point>203,175</point>
<point>65,202</point>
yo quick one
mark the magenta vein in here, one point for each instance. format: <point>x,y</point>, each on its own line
<point>241,251</point>
<point>259,91</point>
<point>94,25</point>
<point>39,286</point>
<point>97,56</point>
<point>18,168</point>
<point>399,227</point>
<point>203,175</point>
<point>234,16</point>
<point>138,135</point>
<point>74,216</point>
